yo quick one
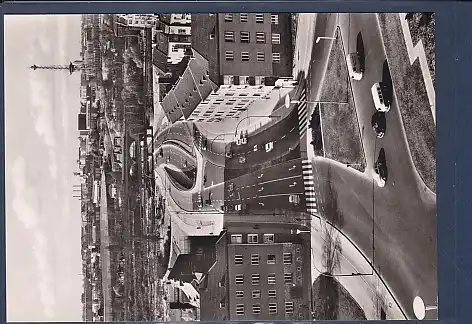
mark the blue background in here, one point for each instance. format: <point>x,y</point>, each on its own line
<point>454,116</point>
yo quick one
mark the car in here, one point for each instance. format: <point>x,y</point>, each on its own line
<point>242,159</point>
<point>354,66</point>
<point>380,169</point>
<point>231,187</point>
<point>269,146</point>
<point>294,199</point>
<point>237,207</point>
<point>285,83</point>
<point>378,97</point>
<point>379,123</point>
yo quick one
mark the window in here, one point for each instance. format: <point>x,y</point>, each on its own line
<point>199,251</point>
<point>272,293</point>
<point>229,80</point>
<point>271,259</point>
<point>272,308</point>
<point>274,19</point>
<point>276,57</point>
<point>255,259</point>
<point>229,55</point>
<point>181,31</point>
<point>238,259</point>
<point>239,279</point>
<point>235,238</point>
<point>229,36</point>
<point>244,36</point>
<point>228,17</point>
<point>239,294</point>
<point>260,56</point>
<point>288,307</point>
<point>256,309</point>
<point>268,238</point>
<point>244,57</point>
<point>243,17</point>
<point>275,38</point>
<point>260,18</point>
<point>288,278</point>
<point>255,279</point>
<point>260,80</point>
<point>253,238</point>
<point>260,37</point>
<point>287,258</point>
<point>240,309</point>
<point>271,279</point>
<point>256,294</point>
<point>244,79</point>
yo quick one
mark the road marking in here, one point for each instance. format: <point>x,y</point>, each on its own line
<point>284,194</point>
<point>275,180</point>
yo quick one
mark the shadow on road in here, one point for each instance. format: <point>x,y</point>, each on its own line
<point>387,85</point>
<point>360,51</point>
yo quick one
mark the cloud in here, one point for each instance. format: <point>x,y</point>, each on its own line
<point>24,196</point>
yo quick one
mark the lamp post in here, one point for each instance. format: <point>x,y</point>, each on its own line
<point>289,101</point>
<point>247,117</point>
<point>324,37</point>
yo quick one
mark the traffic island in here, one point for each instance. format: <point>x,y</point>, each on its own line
<point>340,133</point>
<point>412,99</point>
<point>331,301</point>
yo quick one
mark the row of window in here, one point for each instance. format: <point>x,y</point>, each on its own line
<point>243,18</point>
<point>260,57</point>
<point>256,279</point>
<point>271,259</point>
<point>252,238</point>
<point>256,308</point>
<point>245,37</point>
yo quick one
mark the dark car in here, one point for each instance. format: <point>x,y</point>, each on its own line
<point>380,168</point>
<point>379,123</point>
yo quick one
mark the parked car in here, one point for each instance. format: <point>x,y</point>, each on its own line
<point>269,146</point>
<point>231,187</point>
<point>294,199</point>
<point>242,159</point>
<point>378,97</point>
<point>379,123</point>
<point>380,169</point>
<point>354,66</point>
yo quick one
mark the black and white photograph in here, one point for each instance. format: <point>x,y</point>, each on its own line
<point>217,166</point>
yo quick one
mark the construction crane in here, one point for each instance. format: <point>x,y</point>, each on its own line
<point>72,67</point>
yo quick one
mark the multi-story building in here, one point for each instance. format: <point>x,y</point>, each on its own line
<point>259,274</point>
<point>140,20</point>
<point>177,28</point>
<point>244,47</point>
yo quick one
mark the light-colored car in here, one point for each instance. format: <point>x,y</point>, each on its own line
<point>285,83</point>
<point>379,100</point>
<point>294,199</point>
<point>242,159</point>
<point>354,66</point>
<point>269,146</point>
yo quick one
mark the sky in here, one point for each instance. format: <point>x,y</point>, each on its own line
<point>43,221</point>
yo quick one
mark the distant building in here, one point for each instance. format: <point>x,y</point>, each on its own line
<point>177,29</point>
<point>140,20</point>
<point>259,274</point>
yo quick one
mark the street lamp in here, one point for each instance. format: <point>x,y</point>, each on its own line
<point>289,101</point>
<point>324,37</point>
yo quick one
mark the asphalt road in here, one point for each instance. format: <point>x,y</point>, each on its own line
<point>402,215</point>
<point>283,134</point>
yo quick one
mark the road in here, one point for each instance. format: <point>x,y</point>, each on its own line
<point>402,215</point>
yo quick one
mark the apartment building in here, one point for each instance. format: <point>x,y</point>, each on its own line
<point>177,29</point>
<point>140,20</point>
<point>258,275</point>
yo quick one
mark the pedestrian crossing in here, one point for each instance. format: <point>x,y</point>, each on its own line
<point>309,185</point>
<point>303,117</point>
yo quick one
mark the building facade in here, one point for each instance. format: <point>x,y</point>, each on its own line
<point>140,20</point>
<point>177,28</point>
<point>259,274</point>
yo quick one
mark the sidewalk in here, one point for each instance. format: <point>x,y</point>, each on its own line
<point>304,43</point>
<point>417,52</point>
